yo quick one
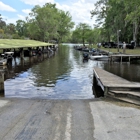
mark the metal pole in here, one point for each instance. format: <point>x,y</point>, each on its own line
<point>118,39</point>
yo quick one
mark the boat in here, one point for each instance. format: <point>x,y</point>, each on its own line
<point>92,51</point>
<point>99,57</point>
<point>85,56</point>
<point>85,49</point>
<point>78,48</point>
<point>8,55</point>
<point>3,62</point>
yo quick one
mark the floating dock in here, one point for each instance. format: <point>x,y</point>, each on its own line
<point>117,87</point>
<point>124,57</point>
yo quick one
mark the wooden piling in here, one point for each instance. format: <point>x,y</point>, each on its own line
<point>1,83</point>
<point>117,87</point>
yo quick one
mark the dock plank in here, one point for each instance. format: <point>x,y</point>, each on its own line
<point>124,57</point>
<point>135,93</point>
<point>111,80</point>
<point>124,99</point>
<point>116,87</point>
<point>127,55</point>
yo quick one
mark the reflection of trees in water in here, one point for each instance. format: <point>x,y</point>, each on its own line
<point>125,70</point>
<point>21,65</point>
<point>48,72</point>
<point>76,54</point>
<point>44,71</point>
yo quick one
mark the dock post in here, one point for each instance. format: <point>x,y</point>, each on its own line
<point>1,84</point>
<point>21,53</point>
<point>129,58</point>
<point>106,89</point>
<point>30,51</point>
<point>43,48</point>
<point>110,58</point>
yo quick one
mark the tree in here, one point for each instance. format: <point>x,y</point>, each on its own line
<point>46,20</point>
<point>76,37</point>
<point>2,23</point>
<point>82,30</point>
<point>111,14</point>
<point>65,24</point>
<point>10,29</point>
<point>34,31</point>
<point>49,23</point>
<point>1,33</point>
<point>133,14</point>
<point>21,27</point>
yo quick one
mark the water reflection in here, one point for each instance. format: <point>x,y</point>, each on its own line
<point>126,70</point>
<point>62,75</point>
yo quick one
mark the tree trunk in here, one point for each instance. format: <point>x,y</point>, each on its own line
<point>83,41</point>
<point>108,36</point>
<point>135,32</point>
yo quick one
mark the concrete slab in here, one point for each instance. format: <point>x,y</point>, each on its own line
<point>3,103</point>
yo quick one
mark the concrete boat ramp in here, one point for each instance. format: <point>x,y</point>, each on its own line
<point>117,87</point>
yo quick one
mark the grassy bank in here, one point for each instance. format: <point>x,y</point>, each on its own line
<point>115,50</point>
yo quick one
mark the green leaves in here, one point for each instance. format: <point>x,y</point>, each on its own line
<point>82,32</point>
<point>65,25</point>
<point>49,23</point>
<point>115,15</point>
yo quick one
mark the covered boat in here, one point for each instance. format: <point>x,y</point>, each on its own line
<point>99,57</point>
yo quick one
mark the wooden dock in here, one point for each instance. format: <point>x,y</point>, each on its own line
<point>117,87</point>
<point>124,57</point>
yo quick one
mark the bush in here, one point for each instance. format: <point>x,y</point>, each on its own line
<point>15,36</point>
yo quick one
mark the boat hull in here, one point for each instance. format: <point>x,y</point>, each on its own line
<point>99,57</point>
<point>3,62</point>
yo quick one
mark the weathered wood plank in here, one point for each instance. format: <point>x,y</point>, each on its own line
<point>124,56</point>
<point>118,88</point>
<point>112,80</point>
